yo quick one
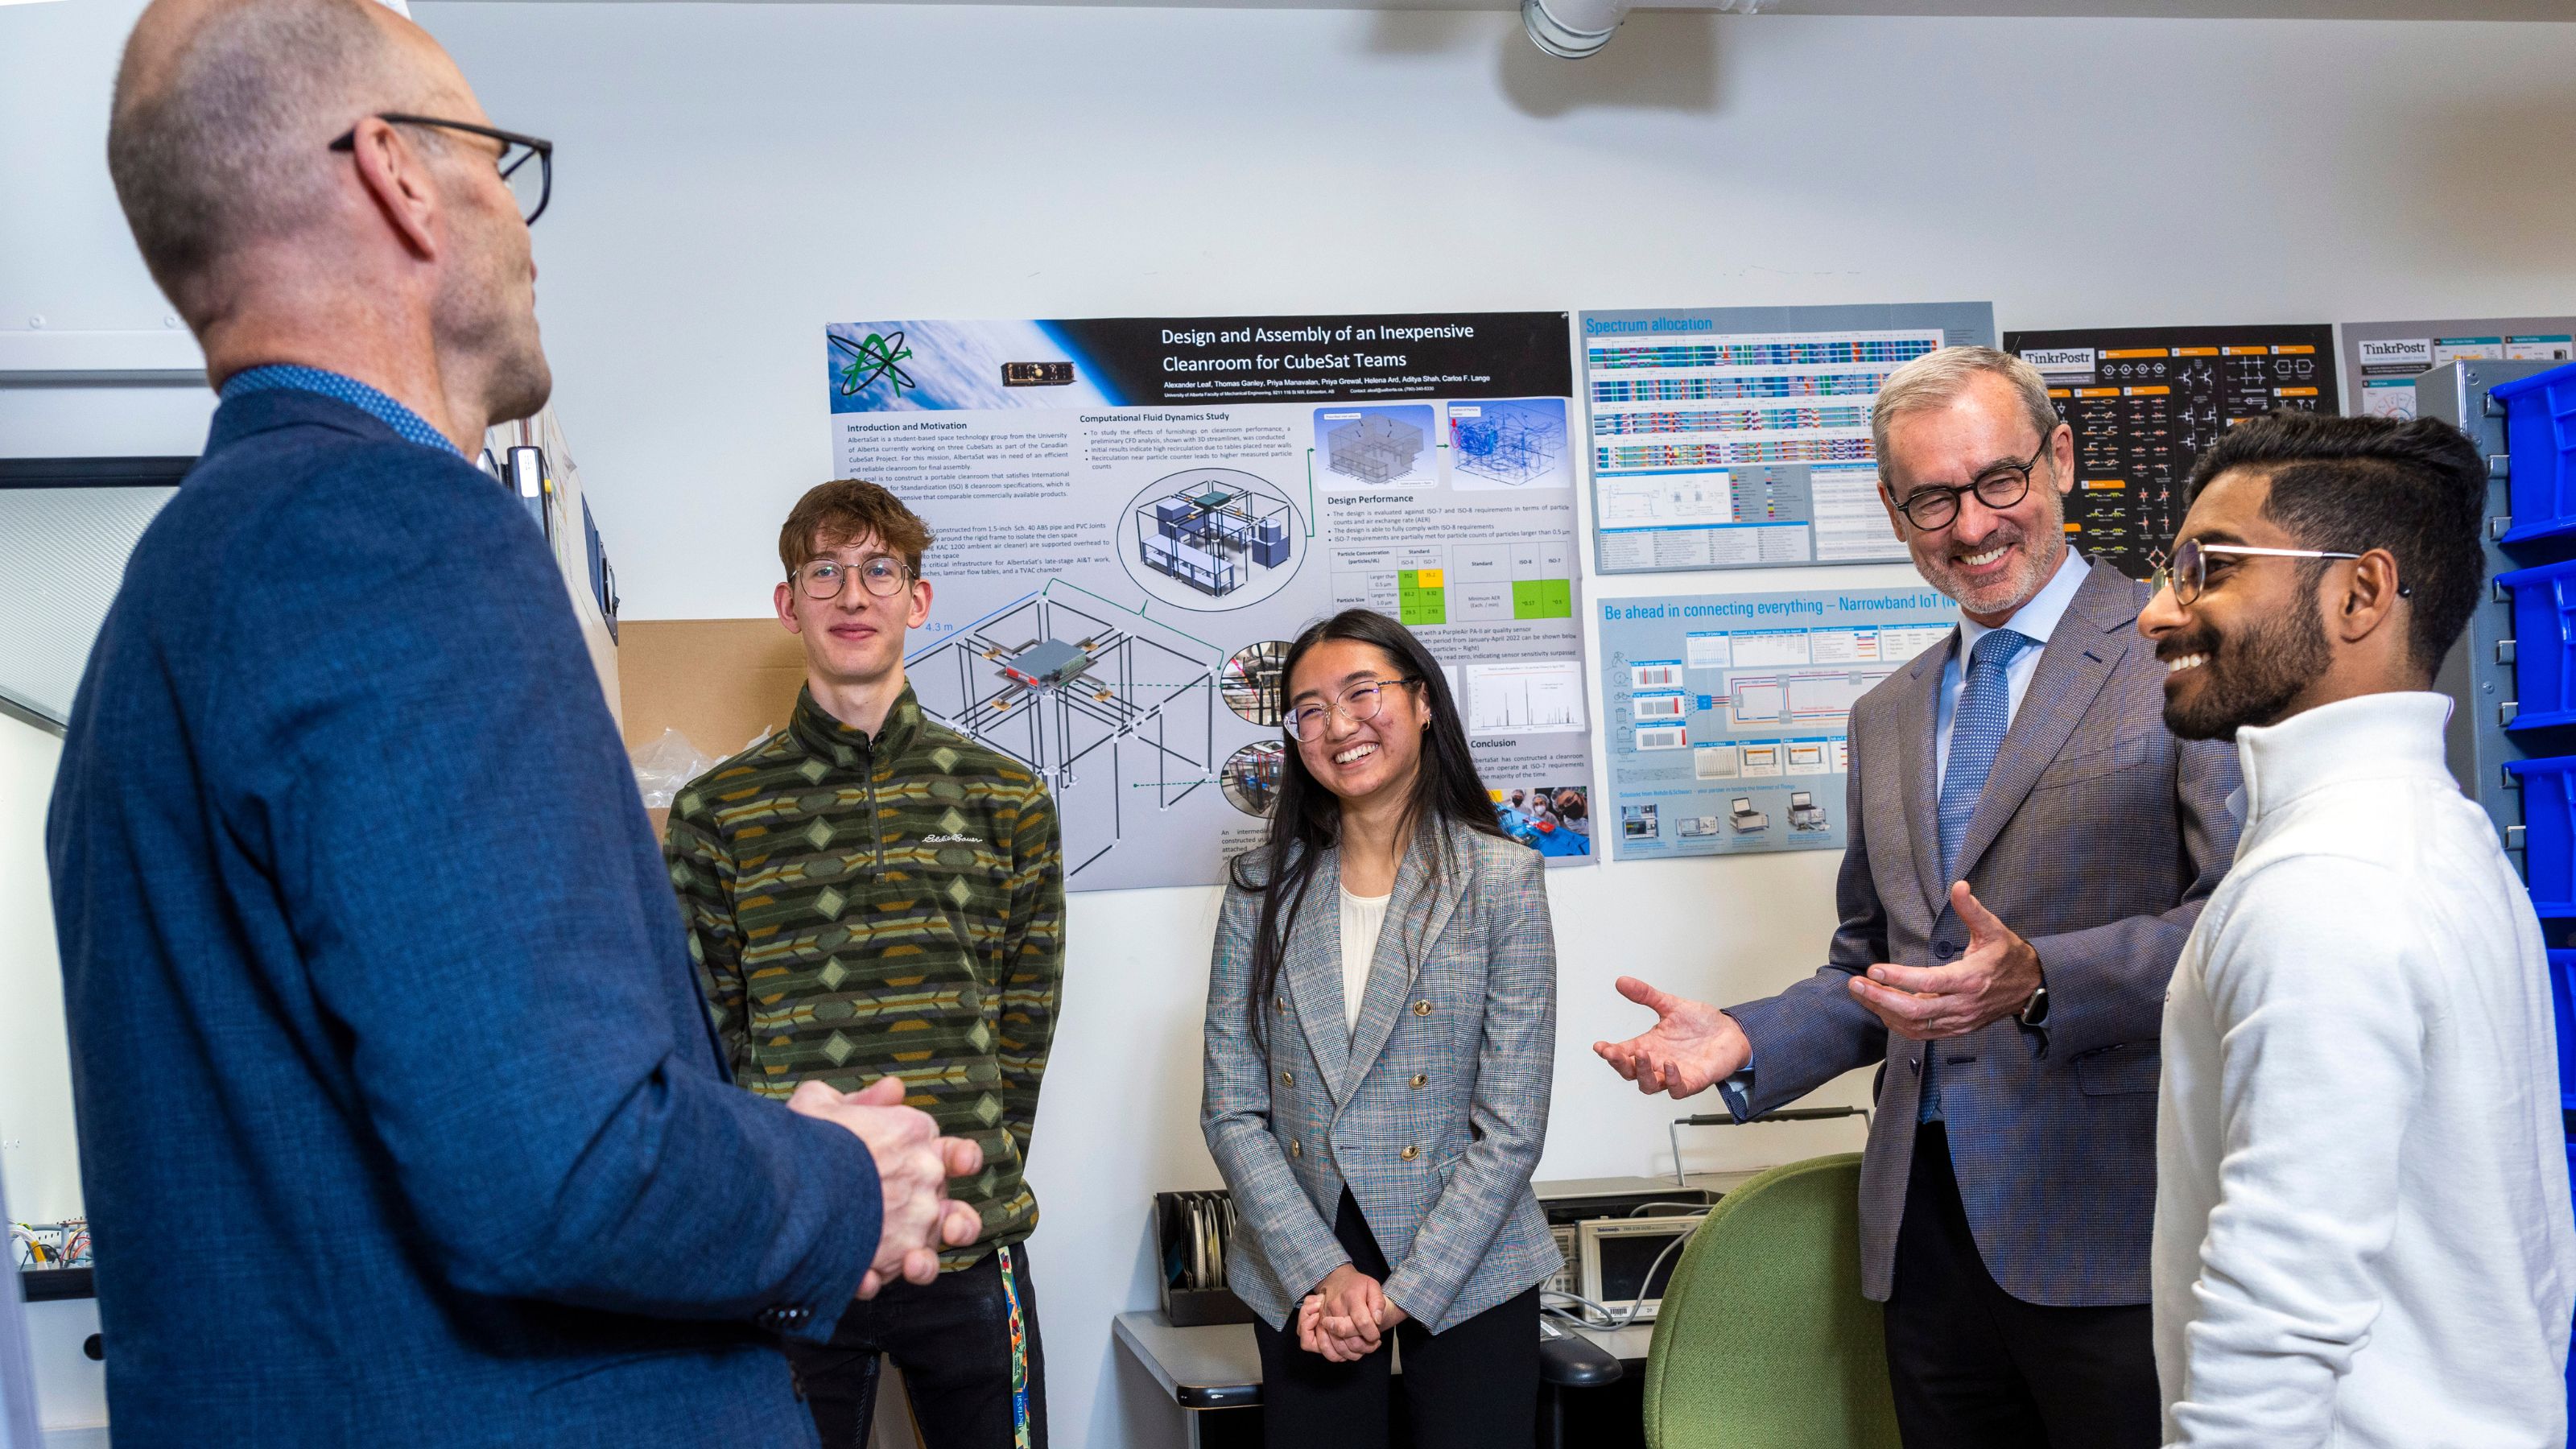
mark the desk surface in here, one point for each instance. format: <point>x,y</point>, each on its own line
<point>1218,1365</point>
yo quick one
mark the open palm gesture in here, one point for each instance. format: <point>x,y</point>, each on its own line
<point>1691,1046</point>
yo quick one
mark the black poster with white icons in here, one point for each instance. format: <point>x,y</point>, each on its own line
<point>2145,402</point>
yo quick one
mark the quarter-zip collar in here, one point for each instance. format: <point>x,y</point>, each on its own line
<point>2367,737</point>
<point>826,739</point>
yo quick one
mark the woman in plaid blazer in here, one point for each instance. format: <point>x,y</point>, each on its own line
<point>1381,1029</point>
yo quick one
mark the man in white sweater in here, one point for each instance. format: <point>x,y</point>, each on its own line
<point>2363,1235</point>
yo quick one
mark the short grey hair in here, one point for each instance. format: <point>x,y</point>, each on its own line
<point>217,139</point>
<point>1940,376</point>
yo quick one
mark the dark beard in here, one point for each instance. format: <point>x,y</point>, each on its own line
<point>2253,679</point>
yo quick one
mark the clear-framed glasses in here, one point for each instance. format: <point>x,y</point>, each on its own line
<point>2189,574</point>
<point>1934,505</point>
<point>1359,704</point>
<point>533,186</point>
<point>880,574</point>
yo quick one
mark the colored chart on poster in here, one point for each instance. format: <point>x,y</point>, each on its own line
<point>2381,360</point>
<point>1133,516</point>
<point>2144,402</point>
<point>1738,437</point>
<point>1727,716</point>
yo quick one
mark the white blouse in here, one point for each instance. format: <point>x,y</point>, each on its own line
<point>1362,918</point>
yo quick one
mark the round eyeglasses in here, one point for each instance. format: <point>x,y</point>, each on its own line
<point>1359,704</point>
<point>1936,505</point>
<point>880,574</point>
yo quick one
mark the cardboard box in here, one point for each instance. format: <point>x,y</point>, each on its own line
<point>722,683</point>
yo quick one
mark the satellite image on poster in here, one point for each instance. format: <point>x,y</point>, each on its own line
<point>1728,715</point>
<point>2145,401</point>
<point>1134,516</point>
<point>1738,437</point>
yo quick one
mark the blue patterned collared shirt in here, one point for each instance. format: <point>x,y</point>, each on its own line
<point>407,425</point>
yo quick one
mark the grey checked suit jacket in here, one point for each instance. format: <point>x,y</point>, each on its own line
<point>2097,839</point>
<point>1432,1112</point>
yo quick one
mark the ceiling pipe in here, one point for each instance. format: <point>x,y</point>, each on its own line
<point>1573,29</point>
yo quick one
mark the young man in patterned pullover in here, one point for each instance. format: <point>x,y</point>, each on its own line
<point>869,893</point>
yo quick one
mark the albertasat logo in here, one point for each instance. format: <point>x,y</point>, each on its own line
<point>879,355</point>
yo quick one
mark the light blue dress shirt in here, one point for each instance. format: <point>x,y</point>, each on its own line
<point>2034,621</point>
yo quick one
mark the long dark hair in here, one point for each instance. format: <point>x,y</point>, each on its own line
<point>1305,817</point>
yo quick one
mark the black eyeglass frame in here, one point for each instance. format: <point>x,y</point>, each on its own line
<point>540,148</point>
<point>1977,485</point>
<point>1323,712</point>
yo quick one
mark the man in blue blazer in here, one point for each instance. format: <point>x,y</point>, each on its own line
<point>2029,848</point>
<point>402,1120</point>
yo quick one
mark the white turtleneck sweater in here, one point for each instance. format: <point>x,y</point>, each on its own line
<point>2362,1224</point>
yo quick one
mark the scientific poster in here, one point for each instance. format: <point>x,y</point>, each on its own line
<point>1738,437</point>
<point>1728,715</point>
<point>2381,360</point>
<point>2146,401</point>
<point>1134,516</point>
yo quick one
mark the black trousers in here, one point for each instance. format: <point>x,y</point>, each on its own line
<point>952,1339</point>
<point>1473,1387</point>
<point>1976,1368</point>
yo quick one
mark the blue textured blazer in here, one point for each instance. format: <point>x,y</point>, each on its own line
<point>401,1118</point>
<point>1432,1112</point>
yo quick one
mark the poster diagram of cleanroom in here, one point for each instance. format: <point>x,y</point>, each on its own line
<point>1738,437</point>
<point>1135,516</point>
<point>1728,715</point>
<point>2145,402</point>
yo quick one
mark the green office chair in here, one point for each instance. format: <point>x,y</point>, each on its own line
<point>1764,1340</point>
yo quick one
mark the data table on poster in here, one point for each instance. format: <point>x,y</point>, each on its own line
<point>1739,437</point>
<point>2144,402</point>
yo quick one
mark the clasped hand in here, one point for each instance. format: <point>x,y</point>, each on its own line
<point>1992,981</point>
<point>1347,1317</point>
<point>914,1164</point>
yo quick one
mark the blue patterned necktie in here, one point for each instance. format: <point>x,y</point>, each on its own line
<point>1977,728</point>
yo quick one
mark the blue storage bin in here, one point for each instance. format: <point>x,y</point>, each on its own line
<point>2544,631</point>
<point>2540,436</point>
<point>2544,627</point>
<point>2549,833</point>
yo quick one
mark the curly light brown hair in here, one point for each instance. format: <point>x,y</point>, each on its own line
<point>834,513</point>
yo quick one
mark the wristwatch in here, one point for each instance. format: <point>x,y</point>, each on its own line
<point>2034,1012</point>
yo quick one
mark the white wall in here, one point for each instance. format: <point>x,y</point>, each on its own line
<point>732,176</point>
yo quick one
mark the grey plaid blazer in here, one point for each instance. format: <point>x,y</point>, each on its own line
<point>2097,839</point>
<point>1432,1112</point>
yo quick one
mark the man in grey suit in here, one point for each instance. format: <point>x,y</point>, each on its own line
<point>2029,848</point>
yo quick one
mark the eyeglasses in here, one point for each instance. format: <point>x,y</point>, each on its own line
<point>880,574</point>
<point>2189,574</point>
<point>1934,505</point>
<point>533,189</point>
<point>1359,704</point>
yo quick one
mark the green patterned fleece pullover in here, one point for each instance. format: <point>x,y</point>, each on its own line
<point>862,908</point>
